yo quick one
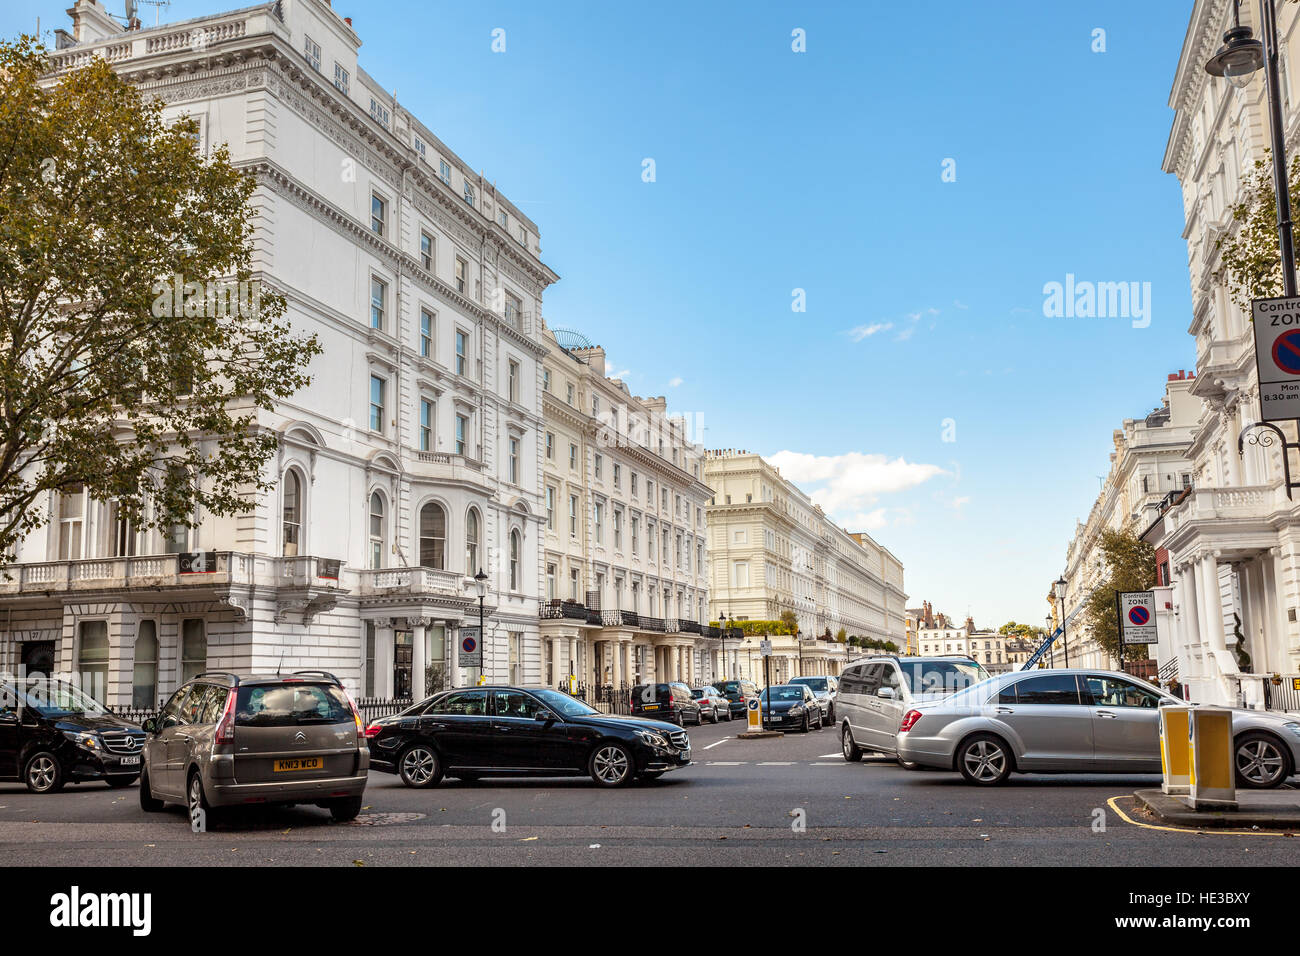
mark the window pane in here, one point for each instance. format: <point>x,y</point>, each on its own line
<point>1050,689</point>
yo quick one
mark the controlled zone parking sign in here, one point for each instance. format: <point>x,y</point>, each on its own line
<point>1137,617</point>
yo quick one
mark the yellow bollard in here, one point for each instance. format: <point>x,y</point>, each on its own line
<point>755,716</point>
<point>1213,782</point>
<point>1175,757</point>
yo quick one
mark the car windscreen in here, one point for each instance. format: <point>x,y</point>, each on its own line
<point>815,683</point>
<point>729,687</point>
<point>563,704</point>
<point>288,705</point>
<point>651,692</point>
<point>941,677</point>
<point>779,694</point>
<point>698,692</point>
<point>57,698</point>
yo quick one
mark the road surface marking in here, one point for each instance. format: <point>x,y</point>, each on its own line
<point>711,746</point>
<point>1216,832</point>
<point>824,756</point>
<point>776,763</point>
<point>829,763</point>
<point>725,763</point>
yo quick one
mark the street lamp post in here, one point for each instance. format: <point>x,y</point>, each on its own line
<point>1236,61</point>
<point>1060,595</point>
<point>480,584</point>
<point>1051,626</point>
<point>798,642</point>
<point>722,634</point>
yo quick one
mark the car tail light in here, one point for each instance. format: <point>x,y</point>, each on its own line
<point>226,726</point>
<point>909,721</point>
<point>374,730</point>
<point>356,714</point>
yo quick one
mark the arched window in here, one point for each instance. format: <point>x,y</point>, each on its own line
<point>377,530</point>
<point>144,682</point>
<point>471,541</point>
<point>291,535</point>
<point>433,536</point>
<point>514,560</point>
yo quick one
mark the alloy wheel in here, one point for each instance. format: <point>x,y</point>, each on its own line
<point>985,761</point>
<point>611,764</point>
<point>42,773</point>
<point>1260,762</point>
<point>418,766</point>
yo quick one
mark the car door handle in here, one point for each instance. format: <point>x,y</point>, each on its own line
<point>1107,714</point>
<point>1005,710</point>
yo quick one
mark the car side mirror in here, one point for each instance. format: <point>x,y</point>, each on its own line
<point>150,725</point>
<point>886,692</point>
<point>544,715</point>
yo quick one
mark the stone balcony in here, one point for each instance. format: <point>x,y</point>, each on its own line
<point>227,569</point>
<point>396,582</point>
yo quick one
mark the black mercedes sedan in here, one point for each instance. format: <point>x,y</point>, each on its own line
<point>476,732</point>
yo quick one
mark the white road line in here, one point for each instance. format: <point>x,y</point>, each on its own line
<point>711,746</point>
<point>829,763</point>
<point>776,763</point>
<point>824,756</point>
<point>725,763</point>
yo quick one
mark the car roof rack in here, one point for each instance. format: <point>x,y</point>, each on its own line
<point>320,673</point>
<point>233,677</point>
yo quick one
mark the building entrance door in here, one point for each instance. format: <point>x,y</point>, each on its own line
<point>402,651</point>
<point>38,658</point>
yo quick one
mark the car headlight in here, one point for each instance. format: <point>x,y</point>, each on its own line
<point>653,739</point>
<point>797,709</point>
<point>1293,727</point>
<point>82,739</point>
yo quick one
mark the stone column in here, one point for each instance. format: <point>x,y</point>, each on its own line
<point>1273,626</point>
<point>418,656</point>
<point>384,658</point>
<point>616,668</point>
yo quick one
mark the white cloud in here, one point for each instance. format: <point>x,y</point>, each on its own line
<point>858,333</point>
<point>850,484</point>
<point>958,502</point>
<point>959,304</point>
<point>675,382</point>
<point>868,521</point>
<point>904,335</point>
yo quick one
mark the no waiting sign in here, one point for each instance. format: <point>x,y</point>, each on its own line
<point>1277,356</point>
<point>470,647</point>
<point>1137,617</point>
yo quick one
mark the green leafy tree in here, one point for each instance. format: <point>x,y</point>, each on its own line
<point>790,620</point>
<point>108,378</point>
<point>1130,565</point>
<point>1012,629</point>
<point>841,635</point>
<point>1250,257</point>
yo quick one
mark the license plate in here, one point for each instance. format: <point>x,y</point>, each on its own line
<point>129,761</point>
<point>651,706</point>
<point>775,720</point>
<point>298,763</point>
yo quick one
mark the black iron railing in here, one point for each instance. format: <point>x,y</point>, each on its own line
<point>1282,696</point>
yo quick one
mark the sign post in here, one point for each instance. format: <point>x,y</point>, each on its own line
<point>1137,617</point>
<point>470,649</point>
<point>755,717</point>
<point>1276,325</point>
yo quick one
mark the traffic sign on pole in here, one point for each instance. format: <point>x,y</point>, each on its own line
<point>470,649</point>
<point>1277,356</point>
<point>1137,617</point>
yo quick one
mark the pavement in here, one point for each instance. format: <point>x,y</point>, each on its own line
<point>786,800</point>
<point>1263,809</point>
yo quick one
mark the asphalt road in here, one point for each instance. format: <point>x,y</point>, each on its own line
<point>787,800</point>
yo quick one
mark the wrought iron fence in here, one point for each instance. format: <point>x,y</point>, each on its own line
<point>1284,696</point>
<point>136,715</point>
<point>607,699</point>
<point>373,708</point>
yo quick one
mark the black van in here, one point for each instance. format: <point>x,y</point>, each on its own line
<point>52,733</point>
<point>672,702</point>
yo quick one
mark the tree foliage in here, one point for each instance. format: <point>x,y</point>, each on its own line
<point>1012,629</point>
<point>104,207</point>
<point>1130,565</point>
<point>1250,255</point>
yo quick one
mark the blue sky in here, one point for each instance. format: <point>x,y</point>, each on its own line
<point>821,171</point>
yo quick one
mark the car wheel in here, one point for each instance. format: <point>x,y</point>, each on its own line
<point>43,773</point>
<point>803,728</point>
<point>827,719</point>
<point>985,760</point>
<point>197,801</point>
<point>117,783</point>
<point>148,803</point>
<point>611,764</point>
<point>419,766</point>
<point>1261,761</point>
<point>346,809</point>
<point>715,716</point>
<point>908,765</point>
<point>851,752</point>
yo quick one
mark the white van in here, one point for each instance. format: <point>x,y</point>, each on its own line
<point>875,692</point>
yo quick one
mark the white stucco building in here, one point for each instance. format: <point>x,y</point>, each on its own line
<point>1233,539</point>
<point>1150,463</point>
<point>625,559</point>
<point>774,550</point>
<point>413,458</point>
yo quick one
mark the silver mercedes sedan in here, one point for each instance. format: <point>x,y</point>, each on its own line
<point>1076,721</point>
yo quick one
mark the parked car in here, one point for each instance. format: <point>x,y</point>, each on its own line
<point>738,693</point>
<point>875,692</point>
<point>222,740</point>
<point>791,705</point>
<point>1077,721</point>
<point>53,733</point>
<point>825,687</point>
<point>712,703</point>
<point>521,731</point>
<point>671,701</point>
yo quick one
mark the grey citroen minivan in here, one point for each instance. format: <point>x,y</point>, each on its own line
<point>223,741</point>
